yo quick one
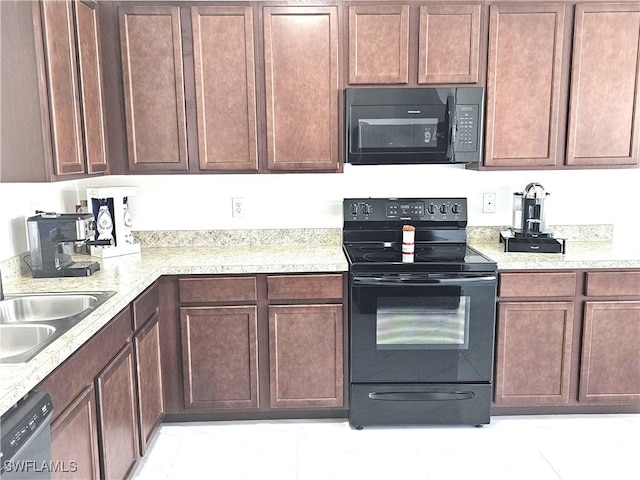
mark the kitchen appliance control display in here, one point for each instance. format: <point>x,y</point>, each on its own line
<point>467,128</point>
<point>395,209</point>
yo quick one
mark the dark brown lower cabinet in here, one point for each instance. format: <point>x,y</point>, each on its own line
<point>533,353</point>
<point>149,380</point>
<point>74,440</point>
<point>117,416</point>
<point>219,357</point>
<point>261,346</point>
<point>568,341</point>
<point>610,367</point>
<point>305,356</point>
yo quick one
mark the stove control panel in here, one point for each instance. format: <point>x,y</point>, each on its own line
<point>418,209</point>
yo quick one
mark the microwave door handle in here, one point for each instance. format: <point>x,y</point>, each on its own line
<point>451,111</point>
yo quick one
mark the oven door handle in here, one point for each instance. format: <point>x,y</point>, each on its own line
<point>423,281</point>
<point>420,396</point>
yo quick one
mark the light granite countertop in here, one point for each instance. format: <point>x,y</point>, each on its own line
<point>603,250</point>
<point>130,275</point>
<point>233,252</point>
<point>579,255</point>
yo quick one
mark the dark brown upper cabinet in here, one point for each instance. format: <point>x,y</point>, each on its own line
<point>52,106</point>
<point>225,87</point>
<point>378,44</point>
<point>449,48</point>
<point>605,104</point>
<point>151,50</point>
<point>414,45</point>
<point>524,85</point>
<point>222,88</point>
<point>301,83</point>
<point>540,79</point>
<point>89,67</point>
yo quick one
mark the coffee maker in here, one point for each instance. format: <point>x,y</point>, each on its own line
<point>52,237</point>
<point>110,207</point>
<point>529,232</point>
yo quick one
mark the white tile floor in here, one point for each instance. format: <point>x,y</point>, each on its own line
<point>565,447</point>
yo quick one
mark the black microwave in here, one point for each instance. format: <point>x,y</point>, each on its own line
<point>413,125</point>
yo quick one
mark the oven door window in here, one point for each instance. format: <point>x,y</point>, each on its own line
<point>437,322</point>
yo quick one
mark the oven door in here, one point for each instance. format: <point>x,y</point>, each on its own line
<point>422,327</point>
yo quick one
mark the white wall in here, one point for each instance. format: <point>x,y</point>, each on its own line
<point>20,200</point>
<point>193,202</point>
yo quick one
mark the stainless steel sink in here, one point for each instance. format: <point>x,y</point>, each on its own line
<point>30,322</point>
<point>42,308</point>
<point>18,340</point>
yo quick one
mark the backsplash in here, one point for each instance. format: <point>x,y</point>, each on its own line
<point>205,238</point>
<point>591,233</point>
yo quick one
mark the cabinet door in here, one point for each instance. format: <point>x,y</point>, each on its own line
<point>449,47</point>
<point>533,357</point>
<point>151,49</point>
<point>306,356</point>
<point>74,440</point>
<point>219,357</point>
<point>301,77</point>
<point>117,416</point>
<point>62,81</point>
<point>149,380</point>
<point>90,86</point>
<point>225,87</point>
<point>524,85</point>
<point>605,104</point>
<point>610,369</point>
<point>378,44</point>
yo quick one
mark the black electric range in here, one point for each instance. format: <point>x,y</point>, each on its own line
<point>421,326</point>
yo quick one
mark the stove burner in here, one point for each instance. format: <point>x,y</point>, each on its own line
<point>382,256</point>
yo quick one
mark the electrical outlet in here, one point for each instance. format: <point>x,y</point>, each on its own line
<point>489,203</point>
<point>238,207</point>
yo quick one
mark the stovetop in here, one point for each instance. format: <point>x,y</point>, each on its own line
<point>427,257</point>
<point>372,235</point>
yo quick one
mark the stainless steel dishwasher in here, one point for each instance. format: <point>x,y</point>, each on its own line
<point>26,439</point>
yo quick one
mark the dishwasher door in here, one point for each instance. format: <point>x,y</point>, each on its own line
<point>26,439</point>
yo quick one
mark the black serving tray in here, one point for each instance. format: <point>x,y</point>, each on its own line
<point>533,244</point>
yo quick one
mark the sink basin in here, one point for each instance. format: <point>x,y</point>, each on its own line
<point>30,322</point>
<point>42,308</point>
<point>16,341</point>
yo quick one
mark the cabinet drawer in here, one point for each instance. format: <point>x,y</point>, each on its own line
<point>145,306</point>
<point>613,283</point>
<point>223,289</point>
<point>537,284</point>
<point>302,287</point>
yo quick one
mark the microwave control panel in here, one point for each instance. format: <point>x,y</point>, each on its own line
<point>467,128</point>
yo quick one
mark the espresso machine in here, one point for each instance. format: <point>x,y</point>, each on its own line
<point>529,232</point>
<point>52,237</point>
<point>110,207</point>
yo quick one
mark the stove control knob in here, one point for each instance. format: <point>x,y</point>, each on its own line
<point>444,209</point>
<point>366,208</point>
<point>431,209</point>
<point>353,209</point>
<point>455,209</point>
